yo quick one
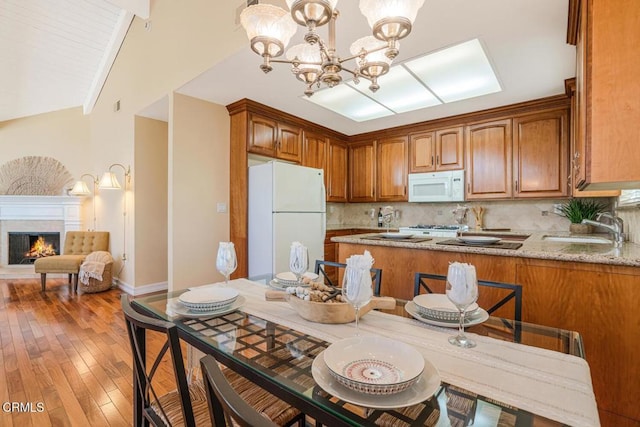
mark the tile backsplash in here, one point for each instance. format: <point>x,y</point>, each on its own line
<point>530,215</point>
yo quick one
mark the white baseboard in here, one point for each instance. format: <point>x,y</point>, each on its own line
<point>144,289</point>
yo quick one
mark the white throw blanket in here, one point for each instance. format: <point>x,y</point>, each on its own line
<point>93,266</point>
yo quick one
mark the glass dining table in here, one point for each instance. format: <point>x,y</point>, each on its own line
<point>280,358</point>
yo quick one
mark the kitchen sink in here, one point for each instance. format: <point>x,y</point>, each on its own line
<point>577,239</point>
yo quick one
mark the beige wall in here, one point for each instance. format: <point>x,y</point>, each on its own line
<point>198,180</point>
<point>151,64</point>
<point>63,135</point>
<point>151,160</point>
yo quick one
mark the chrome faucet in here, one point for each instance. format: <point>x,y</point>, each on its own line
<point>616,226</point>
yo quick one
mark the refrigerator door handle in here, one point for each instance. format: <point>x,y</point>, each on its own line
<point>323,197</point>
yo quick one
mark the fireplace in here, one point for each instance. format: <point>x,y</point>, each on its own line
<point>27,247</point>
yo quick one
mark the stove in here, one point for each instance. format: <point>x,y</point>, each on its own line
<point>434,230</point>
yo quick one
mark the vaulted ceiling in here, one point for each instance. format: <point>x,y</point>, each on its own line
<point>57,54</point>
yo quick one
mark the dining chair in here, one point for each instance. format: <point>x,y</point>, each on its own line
<point>225,404</point>
<point>184,406</point>
<point>187,405</point>
<point>324,268</point>
<point>514,293</point>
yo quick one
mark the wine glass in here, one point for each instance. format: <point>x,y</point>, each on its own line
<point>226,261</point>
<point>357,290</point>
<point>298,261</point>
<point>462,291</point>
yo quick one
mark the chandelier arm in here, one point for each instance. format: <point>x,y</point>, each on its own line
<point>357,74</point>
<point>362,53</point>
<point>287,61</point>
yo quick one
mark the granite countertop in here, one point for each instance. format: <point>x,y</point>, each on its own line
<point>335,227</point>
<point>533,247</point>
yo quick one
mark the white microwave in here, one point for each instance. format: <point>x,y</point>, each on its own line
<point>447,186</point>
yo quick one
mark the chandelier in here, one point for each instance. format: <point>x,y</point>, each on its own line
<point>316,61</point>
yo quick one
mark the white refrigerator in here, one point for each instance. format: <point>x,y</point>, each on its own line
<point>286,204</point>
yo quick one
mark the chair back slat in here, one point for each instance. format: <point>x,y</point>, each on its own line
<point>515,292</point>
<point>320,269</point>
<point>137,327</point>
<point>224,402</point>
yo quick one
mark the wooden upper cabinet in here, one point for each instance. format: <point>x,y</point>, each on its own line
<point>362,173</point>
<point>489,158</point>
<point>422,148</point>
<point>337,171</point>
<point>288,146</point>
<point>608,94</point>
<point>263,134</point>
<point>576,150</point>
<point>271,138</point>
<point>315,148</point>
<point>540,155</point>
<point>391,169</point>
<point>450,149</point>
<point>437,150</point>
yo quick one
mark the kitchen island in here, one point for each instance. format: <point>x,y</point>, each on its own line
<point>590,288</point>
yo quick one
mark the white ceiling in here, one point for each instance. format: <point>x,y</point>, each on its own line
<point>524,39</point>
<point>57,54</point>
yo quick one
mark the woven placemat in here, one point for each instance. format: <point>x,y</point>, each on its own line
<point>410,240</point>
<point>497,245</point>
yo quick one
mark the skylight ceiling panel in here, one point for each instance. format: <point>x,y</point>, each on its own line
<point>345,100</point>
<point>459,72</point>
<point>399,91</point>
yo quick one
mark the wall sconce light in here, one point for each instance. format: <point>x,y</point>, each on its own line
<point>109,181</point>
<point>80,189</point>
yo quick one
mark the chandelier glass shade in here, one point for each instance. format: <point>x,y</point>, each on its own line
<point>316,62</point>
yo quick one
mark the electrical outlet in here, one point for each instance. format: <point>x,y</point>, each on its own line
<point>545,213</point>
<point>221,207</point>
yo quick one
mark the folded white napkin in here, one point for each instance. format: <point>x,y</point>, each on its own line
<point>298,258</point>
<point>463,281</point>
<point>357,278</point>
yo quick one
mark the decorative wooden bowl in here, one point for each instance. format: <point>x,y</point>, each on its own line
<point>329,312</point>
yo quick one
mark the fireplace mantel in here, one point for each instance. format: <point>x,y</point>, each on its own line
<point>43,208</point>
<point>38,213</point>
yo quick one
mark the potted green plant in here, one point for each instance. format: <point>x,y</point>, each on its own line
<point>578,209</point>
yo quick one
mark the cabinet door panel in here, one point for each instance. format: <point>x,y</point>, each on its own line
<point>392,169</point>
<point>541,153</point>
<point>289,143</point>
<point>263,134</point>
<point>421,153</point>
<point>449,149</point>
<point>362,178</point>
<point>489,160</point>
<point>337,172</point>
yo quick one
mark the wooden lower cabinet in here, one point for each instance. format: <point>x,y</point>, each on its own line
<point>599,301</point>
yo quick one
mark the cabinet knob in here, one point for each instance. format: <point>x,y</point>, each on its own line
<point>516,185</point>
<point>431,160</point>
<point>438,159</point>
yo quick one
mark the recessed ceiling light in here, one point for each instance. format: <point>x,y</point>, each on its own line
<point>345,100</point>
<point>459,72</point>
<point>399,91</point>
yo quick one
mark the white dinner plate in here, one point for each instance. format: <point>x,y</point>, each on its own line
<point>440,302</point>
<point>209,295</point>
<point>287,278</point>
<point>478,240</point>
<point>480,316</point>
<point>420,391</point>
<point>395,235</point>
<point>276,284</point>
<point>179,309</point>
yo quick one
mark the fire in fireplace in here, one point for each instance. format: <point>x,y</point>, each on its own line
<point>26,247</point>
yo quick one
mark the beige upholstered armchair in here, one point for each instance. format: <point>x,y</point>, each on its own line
<point>77,245</point>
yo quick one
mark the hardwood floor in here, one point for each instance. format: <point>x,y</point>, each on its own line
<point>64,358</point>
